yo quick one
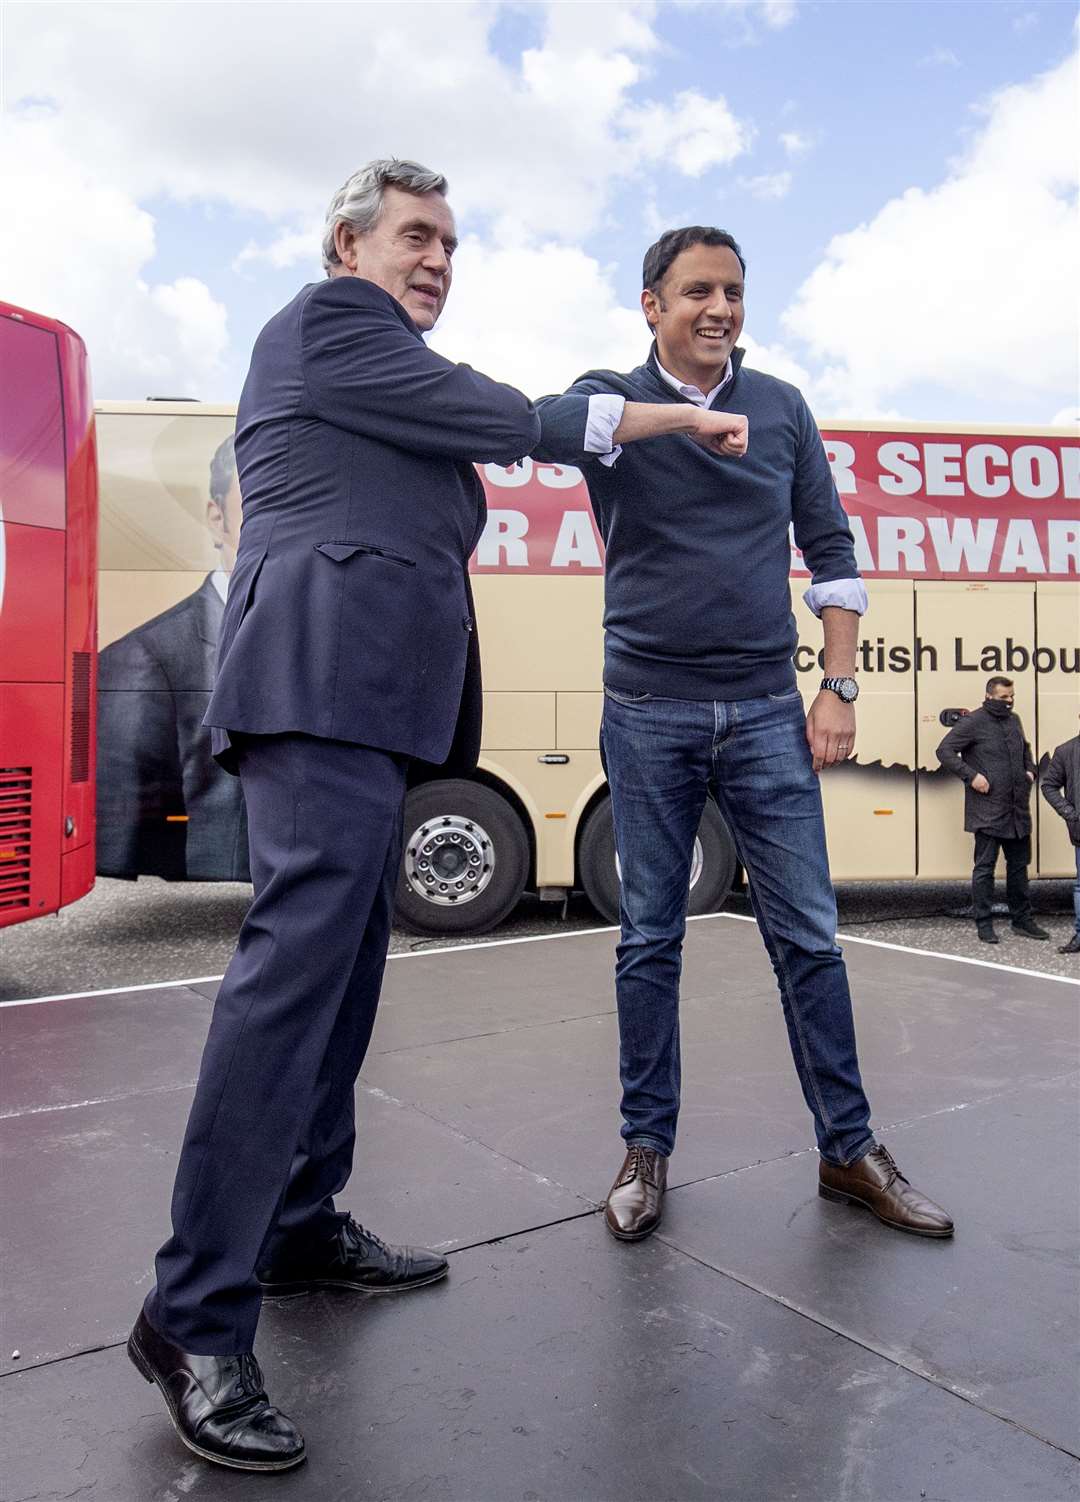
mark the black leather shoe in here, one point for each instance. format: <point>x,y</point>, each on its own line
<point>635,1202</point>
<point>218,1404</point>
<point>1030,929</point>
<point>875,1183</point>
<point>987,934</point>
<point>1072,947</point>
<point>354,1259</point>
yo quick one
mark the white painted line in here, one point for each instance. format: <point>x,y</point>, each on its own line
<point>154,985</point>
<point>573,933</point>
<point>929,954</point>
<point>960,959</point>
<point>407,954</point>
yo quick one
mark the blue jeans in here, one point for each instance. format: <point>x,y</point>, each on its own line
<point>662,757</point>
<point>1076,888</point>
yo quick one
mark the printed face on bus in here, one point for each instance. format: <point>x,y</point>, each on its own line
<point>223,519</point>
<point>407,253</point>
<point>697,313</point>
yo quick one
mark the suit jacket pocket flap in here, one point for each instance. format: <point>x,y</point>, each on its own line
<point>339,551</point>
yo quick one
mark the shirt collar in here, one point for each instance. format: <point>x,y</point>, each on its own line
<point>692,393</point>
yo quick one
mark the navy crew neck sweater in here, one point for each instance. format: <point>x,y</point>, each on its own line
<point>696,602</point>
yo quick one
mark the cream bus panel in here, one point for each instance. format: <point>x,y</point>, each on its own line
<point>870,803</point>
<point>1057,608</point>
<point>155,488</point>
<point>579,718</point>
<point>967,633</point>
<point>540,633</point>
<point>128,599</point>
<point>554,797</point>
<point>516,722</point>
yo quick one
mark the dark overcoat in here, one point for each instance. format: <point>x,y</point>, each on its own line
<point>999,750</point>
<point>1060,784</point>
<point>350,615</point>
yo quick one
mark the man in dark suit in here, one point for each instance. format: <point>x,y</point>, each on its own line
<point>165,807</point>
<point>989,752</point>
<point>1060,785</point>
<point>347,647</point>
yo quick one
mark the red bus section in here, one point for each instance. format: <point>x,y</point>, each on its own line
<point>48,616</point>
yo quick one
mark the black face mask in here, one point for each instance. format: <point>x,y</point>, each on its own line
<point>1001,709</point>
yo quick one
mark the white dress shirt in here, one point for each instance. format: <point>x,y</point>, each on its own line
<point>605,415</point>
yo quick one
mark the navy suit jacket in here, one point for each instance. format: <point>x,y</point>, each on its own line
<point>350,613</point>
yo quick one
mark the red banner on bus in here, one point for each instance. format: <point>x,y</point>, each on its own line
<point>921,505</point>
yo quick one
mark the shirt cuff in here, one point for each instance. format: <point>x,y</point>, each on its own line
<point>605,415</point>
<point>848,594</point>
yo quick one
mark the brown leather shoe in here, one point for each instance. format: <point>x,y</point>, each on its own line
<point>876,1184</point>
<point>636,1201</point>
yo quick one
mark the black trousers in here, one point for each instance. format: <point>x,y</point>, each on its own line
<point>270,1137</point>
<point>1017,894</point>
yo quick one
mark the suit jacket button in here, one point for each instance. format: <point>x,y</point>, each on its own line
<point>467,623</point>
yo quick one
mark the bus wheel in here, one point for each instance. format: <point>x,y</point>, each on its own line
<point>712,869</point>
<point>465,859</point>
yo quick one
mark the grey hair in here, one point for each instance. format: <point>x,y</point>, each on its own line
<point>358,202</point>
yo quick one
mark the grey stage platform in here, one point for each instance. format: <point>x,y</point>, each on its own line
<point>767,1345</point>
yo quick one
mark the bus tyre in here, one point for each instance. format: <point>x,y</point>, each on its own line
<point>464,862</point>
<point>711,874</point>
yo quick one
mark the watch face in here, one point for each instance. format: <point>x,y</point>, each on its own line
<point>848,690</point>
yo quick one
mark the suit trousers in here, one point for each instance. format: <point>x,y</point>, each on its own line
<point>1017,854</point>
<point>270,1137</point>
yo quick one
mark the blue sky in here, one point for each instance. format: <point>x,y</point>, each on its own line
<point>191,151</point>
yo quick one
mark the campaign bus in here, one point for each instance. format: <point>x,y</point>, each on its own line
<point>48,587</point>
<point>968,539</point>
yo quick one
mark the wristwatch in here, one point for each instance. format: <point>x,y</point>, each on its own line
<point>844,688</point>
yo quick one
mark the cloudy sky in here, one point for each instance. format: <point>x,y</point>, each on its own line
<point>902,177</point>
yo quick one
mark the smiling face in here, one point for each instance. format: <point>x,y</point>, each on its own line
<point>407,253</point>
<point>697,313</point>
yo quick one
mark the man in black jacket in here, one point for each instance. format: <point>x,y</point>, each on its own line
<point>990,754</point>
<point>1060,784</point>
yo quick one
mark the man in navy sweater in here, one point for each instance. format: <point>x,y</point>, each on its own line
<point>700,696</point>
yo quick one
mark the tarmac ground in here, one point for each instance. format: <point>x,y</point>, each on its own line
<point>763,1345</point>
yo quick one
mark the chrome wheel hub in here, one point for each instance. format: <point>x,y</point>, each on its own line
<point>449,860</point>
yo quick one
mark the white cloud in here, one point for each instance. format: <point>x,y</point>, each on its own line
<point>779,13</point>
<point>77,250</point>
<point>1068,417</point>
<point>969,285</point>
<point>696,133</point>
<point>263,110</point>
<point>795,143</point>
<point>940,57</point>
<point>538,316</point>
<point>770,186</point>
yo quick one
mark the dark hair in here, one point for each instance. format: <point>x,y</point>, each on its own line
<point>673,242</point>
<point>993,683</point>
<point>222,469</point>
